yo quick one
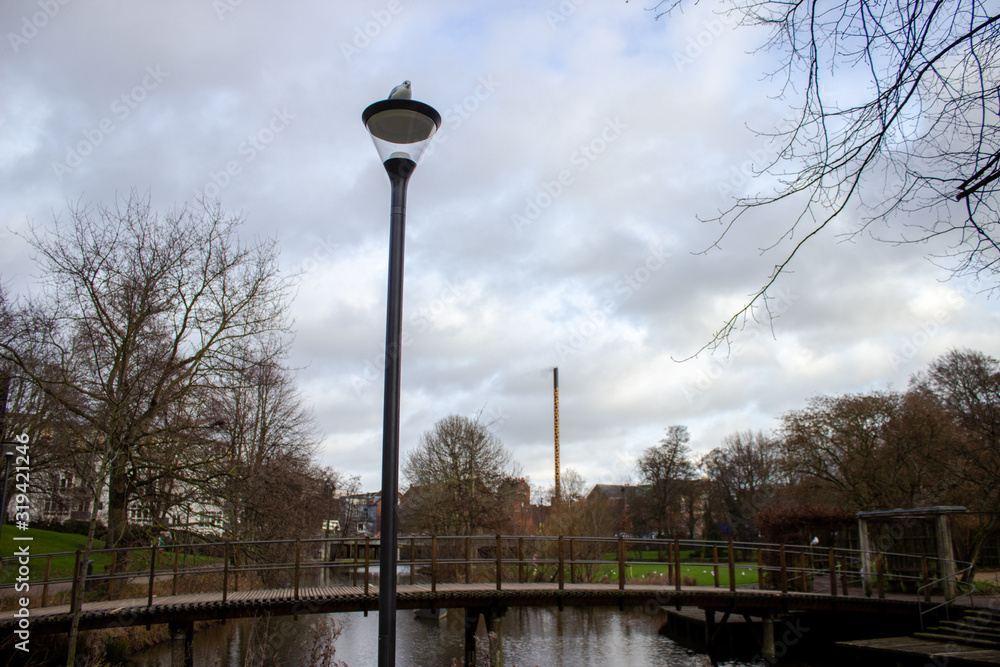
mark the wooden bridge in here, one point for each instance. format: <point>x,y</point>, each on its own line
<point>181,584</point>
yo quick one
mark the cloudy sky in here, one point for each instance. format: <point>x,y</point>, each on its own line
<point>554,222</point>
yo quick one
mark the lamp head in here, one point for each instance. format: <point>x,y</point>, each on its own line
<point>401,128</point>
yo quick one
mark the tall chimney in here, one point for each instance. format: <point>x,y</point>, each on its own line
<point>555,399</point>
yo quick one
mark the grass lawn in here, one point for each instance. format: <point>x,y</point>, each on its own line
<point>746,573</point>
<point>43,542</point>
<point>49,542</point>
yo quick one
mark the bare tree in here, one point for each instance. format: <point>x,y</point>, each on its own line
<point>881,450</point>
<point>270,441</point>
<point>666,469</point>
<point>744,474</point>
<point>137,314</point>
<point>922,138</point>
<point>967,384</point>
<point>462,473</point>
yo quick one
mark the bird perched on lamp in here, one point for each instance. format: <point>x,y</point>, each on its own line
<point>401,92</point>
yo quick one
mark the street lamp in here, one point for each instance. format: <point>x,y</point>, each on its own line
<point>401,130</point>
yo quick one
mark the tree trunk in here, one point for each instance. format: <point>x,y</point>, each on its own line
<point>117,504</point>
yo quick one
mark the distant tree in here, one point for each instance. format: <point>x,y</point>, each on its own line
<point>743,475</point>
<point>572,487</point>
<point>464,476</point>
<point>666,468</point>
<point>881,450</point>
<point>967,385</point>
<point>893,111</point>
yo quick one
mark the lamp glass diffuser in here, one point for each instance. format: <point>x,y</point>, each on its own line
<point>401,128</point>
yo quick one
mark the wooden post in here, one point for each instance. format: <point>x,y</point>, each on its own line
<point>784,569</point>
<point>761,573</point>
<point>76,583</point>
<point>832,561</point>
<point>621,563</point>
<point>677,564</point>
<point>45,585</point>
<point>236,567</point>
<point>572,562</point>
<point>924,579</point>
<point>298,556</point>
<point>520,560</point>
<point>173,587</point>
<point>225,570</point>
<point>499,564</point>
<point>880,576</point>
<point>468,560</point>
<point>413,557</point>
<point>434,558</point>
<point>715,569</point>
<point>562,564</point>
<point>367,560</point>
<point>113,587</point>
<point>732,566</point>
<point>152,572</point>
<point>354,571</point>
<point>843,575</point>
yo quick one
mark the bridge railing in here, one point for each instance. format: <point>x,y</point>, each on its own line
<point>232,567</point>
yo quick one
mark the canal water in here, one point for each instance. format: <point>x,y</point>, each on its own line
<point>532,636</point>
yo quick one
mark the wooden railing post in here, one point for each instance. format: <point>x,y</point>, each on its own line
<point>225,570</point>
<point>434,558</point>
<point>236,567</point>
<point>413,558</point>
<point>843,574</point>
<point>76,583</point>
<point>520,560</point>
<point>761,573</point>
<point>173,586</point>
<point>715,564</point>
<point>368,558</point>
<point>45,585</point>
<point>354,570</point>
<point>924,579</point>
<point>677,564</point>
<point>732,566</point>
<point>298,556</point>
<point>832,562</point>
<point>572,562</point>
<point>468,560</point>
<point>152,572</point>
<point>880,577</point>
<point>562,564</point>
<point>499,564</point>
<point>784,569</point>
<point>621,563</point>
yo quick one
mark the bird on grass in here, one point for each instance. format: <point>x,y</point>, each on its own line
<point>401,92</point>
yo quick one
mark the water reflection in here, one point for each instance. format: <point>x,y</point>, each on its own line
<point>531,637</point>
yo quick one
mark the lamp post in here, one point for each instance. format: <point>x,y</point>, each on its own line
<point>401,130</point>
